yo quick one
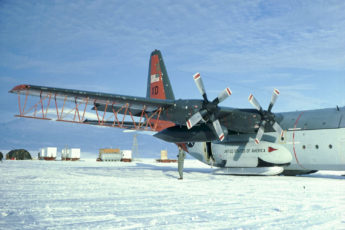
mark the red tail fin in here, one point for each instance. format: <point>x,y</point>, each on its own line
<point>158,85</point>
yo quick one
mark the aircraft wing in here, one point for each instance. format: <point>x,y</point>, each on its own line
<point>239,120</point>
<point>147,109</point>
<point>99,100</point>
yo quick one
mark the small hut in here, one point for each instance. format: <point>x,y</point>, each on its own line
<point>164,158</point>
<point>126,155</point>
<point>48,154</point>
<point>72,154</point>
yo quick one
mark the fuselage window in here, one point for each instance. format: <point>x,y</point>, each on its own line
<point>303,146</point>
<point>330,146</point>
<point>316,146</point>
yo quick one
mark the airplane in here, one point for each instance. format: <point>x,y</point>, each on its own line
<point>235,140</point>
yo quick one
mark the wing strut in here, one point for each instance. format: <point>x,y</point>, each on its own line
<point>83,110</point>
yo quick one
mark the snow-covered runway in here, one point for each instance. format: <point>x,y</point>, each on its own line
<point>147,195</point>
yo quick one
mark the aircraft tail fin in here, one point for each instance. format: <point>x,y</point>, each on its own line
<point>158,83</point>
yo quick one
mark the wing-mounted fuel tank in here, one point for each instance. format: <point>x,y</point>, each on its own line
<point>241,155</point>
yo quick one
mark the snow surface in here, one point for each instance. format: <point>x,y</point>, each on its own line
<point>147,195</point>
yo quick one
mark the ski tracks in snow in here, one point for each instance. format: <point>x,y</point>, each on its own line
<point>147,195</point>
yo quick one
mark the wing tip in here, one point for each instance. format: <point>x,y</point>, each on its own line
<point>19,88</point>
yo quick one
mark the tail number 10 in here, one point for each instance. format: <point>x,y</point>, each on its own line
<point>154,90</point>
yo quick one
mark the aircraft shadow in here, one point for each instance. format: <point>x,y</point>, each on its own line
<point>337,177</point>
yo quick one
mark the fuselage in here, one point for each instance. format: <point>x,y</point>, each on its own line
<point>314,138</point>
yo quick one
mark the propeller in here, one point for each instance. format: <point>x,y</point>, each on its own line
<point>209,110</point>
<point>266,116</point>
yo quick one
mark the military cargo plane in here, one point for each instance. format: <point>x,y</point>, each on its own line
<point>237,141</point>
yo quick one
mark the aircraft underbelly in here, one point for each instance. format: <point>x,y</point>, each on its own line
<point>249,154</point>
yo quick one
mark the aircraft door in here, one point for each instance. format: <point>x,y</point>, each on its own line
<point>209,156</point>
<point>342,121</point>
<point>201,151</point>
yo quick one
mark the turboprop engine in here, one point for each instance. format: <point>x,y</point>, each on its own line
<point>246,158</point>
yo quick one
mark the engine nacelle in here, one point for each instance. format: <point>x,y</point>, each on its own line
<point>181,134</point>
<point>241,155</point>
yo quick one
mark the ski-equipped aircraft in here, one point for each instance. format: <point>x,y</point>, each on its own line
<point>238,141</point>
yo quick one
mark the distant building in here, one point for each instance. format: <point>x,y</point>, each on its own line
<point>18,154</point>
<point>126,155</point>
<point>115,155</point>
<point>109,155</point>
<point>164,157</point>
<point>72,154</point>
<point>48,154</point>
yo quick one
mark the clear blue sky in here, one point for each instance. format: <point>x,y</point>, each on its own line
<point>250,46</point>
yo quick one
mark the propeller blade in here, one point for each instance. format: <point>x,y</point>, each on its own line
<point>278,129</point>
<point>199,84</point>
<point>260,132</point>
<point>224,95</point>
<point>254,102</point>
<point>275,95</point>
<point>194,119</point>
<point>219,130</point>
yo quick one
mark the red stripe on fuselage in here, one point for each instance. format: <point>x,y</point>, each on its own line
<point>293,140</point>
